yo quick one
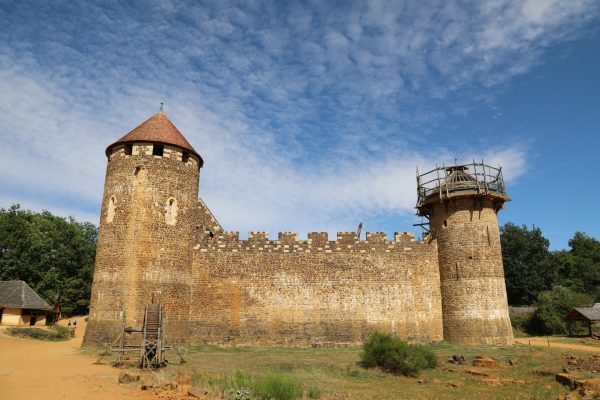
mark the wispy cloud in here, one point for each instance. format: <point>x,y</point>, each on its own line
<point>307,115</point>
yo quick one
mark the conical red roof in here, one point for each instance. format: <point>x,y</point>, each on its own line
<point>157,129</point>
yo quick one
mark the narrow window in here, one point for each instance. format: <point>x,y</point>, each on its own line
<point>110,210</point>
<point>185,157</point>
<point>128,149</point>
<point>158,150</point>
<point>445,222</point>
<point>171,211</point>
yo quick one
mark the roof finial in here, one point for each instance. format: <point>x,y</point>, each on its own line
<point>161,106</point>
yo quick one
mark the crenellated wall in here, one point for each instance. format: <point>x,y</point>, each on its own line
<point>313,292</point>
<point>158,239</point>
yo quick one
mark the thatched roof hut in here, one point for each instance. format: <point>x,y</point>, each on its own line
<point>21,305</point>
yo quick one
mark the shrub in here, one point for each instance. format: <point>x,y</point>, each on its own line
<point>552,308</point>
<point>61,330</point>
<point>393,355</point>
<point>277,386</point>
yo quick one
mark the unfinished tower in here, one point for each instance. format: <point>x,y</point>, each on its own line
<point>146,226</point>
<point>461,203</point>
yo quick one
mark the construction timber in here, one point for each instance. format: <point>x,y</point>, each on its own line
<point>145,346</point>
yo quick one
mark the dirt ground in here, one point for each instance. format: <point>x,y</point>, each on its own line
<point>554,343</point>
<point>32,369</point>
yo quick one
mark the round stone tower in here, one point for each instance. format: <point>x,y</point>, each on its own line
<point>146,231</point>
<point>461,203</point>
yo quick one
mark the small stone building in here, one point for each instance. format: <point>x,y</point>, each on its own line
<point>20,305</point>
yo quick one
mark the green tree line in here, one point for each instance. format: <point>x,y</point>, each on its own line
<point>554,281</point>
<point>52,254</point>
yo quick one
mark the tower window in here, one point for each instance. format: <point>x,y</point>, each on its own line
<point>158,150</point>
<point>110,210</point>
<point>171,211</point>
<point>445,222</point>
<point>128,149</point>
<point>185,157</point>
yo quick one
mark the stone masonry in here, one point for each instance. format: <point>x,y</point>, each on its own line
<point>158,239</point>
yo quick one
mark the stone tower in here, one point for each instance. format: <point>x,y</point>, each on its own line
<point>147,223</point>
<point>461,203</point>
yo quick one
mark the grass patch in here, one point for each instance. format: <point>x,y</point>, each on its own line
<point>55,333</point>
<point>313,393</point>
<point>334,373</point>
<point>243,386</point>
<point>277,386</point>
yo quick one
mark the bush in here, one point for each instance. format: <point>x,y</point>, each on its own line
<point>60,330</point>
<point>552,308</point>
<point>277,386</point>
<point>393,355</point>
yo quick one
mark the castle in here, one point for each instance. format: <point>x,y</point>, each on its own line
<point>158,239</point>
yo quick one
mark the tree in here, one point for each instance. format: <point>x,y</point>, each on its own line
<point>579,268</point>
<point>528,265</point>
<point>50,253</point>
<point>552,308</point>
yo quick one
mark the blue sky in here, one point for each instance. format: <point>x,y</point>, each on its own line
<point>310,116</point>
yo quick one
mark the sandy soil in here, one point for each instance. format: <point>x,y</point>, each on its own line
<point>32,369</point>
<point>543,342</point>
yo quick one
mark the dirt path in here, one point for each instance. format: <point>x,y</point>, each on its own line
<point>543,342</point>
<point>32,369</point>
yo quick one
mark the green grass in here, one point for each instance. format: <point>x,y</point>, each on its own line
<point>55,333</point>
<point>334,373</point>
<point>277,386</point>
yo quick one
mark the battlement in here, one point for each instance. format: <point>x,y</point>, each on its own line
<point>148,149</point>
<point>285,290</point>
<point>316,242</point>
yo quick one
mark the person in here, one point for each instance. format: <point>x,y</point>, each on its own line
<point>71,329</point>
<point>74,323</point>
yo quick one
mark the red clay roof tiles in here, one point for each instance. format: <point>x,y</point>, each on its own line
<point>159,129</point>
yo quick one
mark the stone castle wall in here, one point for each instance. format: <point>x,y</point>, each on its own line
<point>158,240</point>
<point>313,292</point>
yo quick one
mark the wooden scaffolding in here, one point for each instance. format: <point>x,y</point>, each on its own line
<point>149,341</point>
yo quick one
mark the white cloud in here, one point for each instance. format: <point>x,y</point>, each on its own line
<point>306,117</point>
